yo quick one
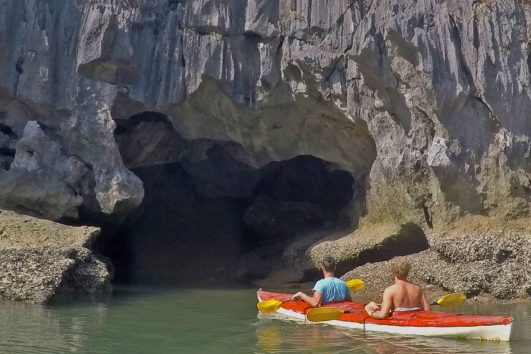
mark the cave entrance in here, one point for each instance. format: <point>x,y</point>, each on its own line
<point>208,216</point>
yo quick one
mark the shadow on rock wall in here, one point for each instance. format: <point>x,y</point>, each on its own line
<point>204,208</point>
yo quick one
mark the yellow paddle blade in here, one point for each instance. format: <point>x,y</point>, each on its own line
<point>268,306</point>
<point>355,284</point>
<point>323,314</point>
<point>451,300</point>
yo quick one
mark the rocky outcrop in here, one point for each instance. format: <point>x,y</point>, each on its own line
<point>487,263</point>
<point>370,244</point>
<point>350,250</point>
<point>470,257</point>
<point>40,260</point>
<point>492,263</point>
<point>482,280</point>
<point>428,97</point>
<point>424,102</point>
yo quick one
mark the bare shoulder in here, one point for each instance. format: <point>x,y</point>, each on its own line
<point>417,287</point>
<point>414,285</point>
<point>390,289</point>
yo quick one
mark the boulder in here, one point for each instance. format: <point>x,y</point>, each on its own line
<point>487,263</point>
<point>40,260</point>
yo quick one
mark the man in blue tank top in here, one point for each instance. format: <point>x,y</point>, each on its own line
<point>328,289</point>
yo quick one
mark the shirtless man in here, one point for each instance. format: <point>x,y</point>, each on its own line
<point>402,296</point>
<point>328,289</point>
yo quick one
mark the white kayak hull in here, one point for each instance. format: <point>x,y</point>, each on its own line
<point>499,332</point>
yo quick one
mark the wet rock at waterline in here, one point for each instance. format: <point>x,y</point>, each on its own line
<point>422,106</point>
<point>493,264</point>
<point>40,260</point>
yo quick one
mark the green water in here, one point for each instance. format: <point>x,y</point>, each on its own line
<point>211,321</point>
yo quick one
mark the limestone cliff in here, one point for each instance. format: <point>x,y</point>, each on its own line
<point>424,102</point>
<point>427,99</point>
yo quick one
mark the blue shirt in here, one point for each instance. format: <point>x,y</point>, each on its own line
<point>333,289</point>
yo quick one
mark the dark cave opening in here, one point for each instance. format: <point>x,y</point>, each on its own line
<point>176,235</point>
<point>204,209</point>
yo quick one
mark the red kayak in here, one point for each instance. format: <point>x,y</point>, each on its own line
<point>417,322</point>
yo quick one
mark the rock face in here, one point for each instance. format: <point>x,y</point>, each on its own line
<point>487,264</point>
<point>424,102</point>
<point>40,260</point>
<point>428,97</point>
<point>474,265</point>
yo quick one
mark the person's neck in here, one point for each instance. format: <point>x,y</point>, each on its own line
<point>400,281</point>
<point>327,274</point>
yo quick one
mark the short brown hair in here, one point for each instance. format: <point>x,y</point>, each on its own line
<point>400,267</point>
<point>329,264</point>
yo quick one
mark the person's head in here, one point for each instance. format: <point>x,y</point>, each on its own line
<point>400,267</point>
<point>328,264</point>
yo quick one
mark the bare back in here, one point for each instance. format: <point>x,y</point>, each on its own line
<point>402,294</point>
<point>405,294</point>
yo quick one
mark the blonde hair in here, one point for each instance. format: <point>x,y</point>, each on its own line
<point>400,267</point>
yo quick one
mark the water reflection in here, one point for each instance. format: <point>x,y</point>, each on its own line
<point>207,321</point>
<point>33,328</point>
<point>287,337</point>
<point>279,337</point>
<point>269,338</point>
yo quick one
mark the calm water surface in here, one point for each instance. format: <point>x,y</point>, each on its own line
<point>212,321</point>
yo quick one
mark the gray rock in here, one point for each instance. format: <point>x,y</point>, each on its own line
<point>391,78</point>
<point>40,260</point>
<point>371,87</point>
<point>439,154</point>
<point>479,265</point>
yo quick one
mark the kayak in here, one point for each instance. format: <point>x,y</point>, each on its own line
<point>416,322</point>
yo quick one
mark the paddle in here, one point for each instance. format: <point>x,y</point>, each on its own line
<point>271,306</point>
<point>320,314</point>
<point>450,300</point>
<point>355,284</point>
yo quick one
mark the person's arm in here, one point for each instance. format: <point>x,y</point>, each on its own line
<point>314,300</point>
<point>372,306</point>
<point>346,290</point>
<point>424,302</point>
<point>385,307</point>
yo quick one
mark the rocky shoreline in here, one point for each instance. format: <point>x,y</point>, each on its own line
<point>41,260</point>
<point>480,257</point>
<point>488,265</point>
<point>481,277</point>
